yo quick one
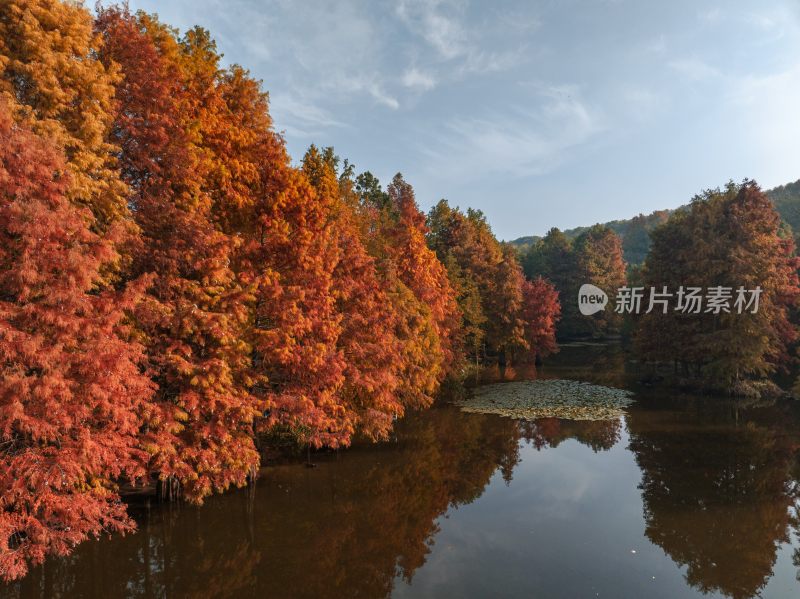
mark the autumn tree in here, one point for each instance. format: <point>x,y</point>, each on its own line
<point>500,280</point>
<point>194,319</point>
<point>367,340</point>
<point>71,382</point>
<point>418,266</point>
<point>506,327</point>
<point>420,294</point>
<point>595,257</point>
<point>473,316</point>
<point>600,262</point>
<point>53,82</point>
<point>490,285</point>
<point>285,251</point>
<point>453,237</point>
<point>728,238</point>
<point>541,312</point>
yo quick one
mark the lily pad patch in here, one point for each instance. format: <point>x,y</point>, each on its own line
<point>549,398</point>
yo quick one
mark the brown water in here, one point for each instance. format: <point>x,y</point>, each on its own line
<point>683,497</point>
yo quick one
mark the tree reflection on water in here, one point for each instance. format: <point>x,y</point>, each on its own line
<point>346,528</point>
<point>718,487</point>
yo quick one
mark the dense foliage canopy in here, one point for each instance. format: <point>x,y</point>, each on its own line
<point>594,257</point>
<point>172,288</point>
<point>730,238</point>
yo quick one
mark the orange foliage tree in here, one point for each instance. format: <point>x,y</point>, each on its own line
<point>194,320</point>
<point>424,302</point>
<point>53,81</point>
<point>501,311</point>
<point>367,341</point>
<point>71,381</point>
<point>418,267</point>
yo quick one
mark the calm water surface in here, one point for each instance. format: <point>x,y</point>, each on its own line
<point>683,497</point>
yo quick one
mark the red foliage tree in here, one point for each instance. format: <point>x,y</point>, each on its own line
<point>71,383</point>
<point>540,313</point>
<point>194,319</point>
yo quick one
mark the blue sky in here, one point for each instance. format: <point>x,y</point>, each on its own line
<point>550,113</point>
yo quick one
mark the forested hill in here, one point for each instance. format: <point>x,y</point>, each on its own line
<point>787,202</point>
<point>634,231</point>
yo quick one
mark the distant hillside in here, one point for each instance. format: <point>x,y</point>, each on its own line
<point>787,202</point>
<point>635,231</point>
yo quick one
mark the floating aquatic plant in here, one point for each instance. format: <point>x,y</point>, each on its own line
<point>554,398</point>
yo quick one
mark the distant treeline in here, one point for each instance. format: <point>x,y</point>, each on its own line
<point>725,239</point>
<point>635,232</point>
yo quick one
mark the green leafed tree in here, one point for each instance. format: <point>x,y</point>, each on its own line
<point>595,257</point>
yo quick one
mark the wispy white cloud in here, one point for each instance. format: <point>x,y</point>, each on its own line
<point>317,56</point>
<point>482,62</point>
<point>417,79</point>
<point>382,97</point>
<point>518,141</point>
<point>520,19</point>
<point>439,22</point>
<point>300,118</point>
<point>445,26</point>
<point>694,69</point>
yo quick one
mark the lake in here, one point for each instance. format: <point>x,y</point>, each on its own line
<point>684,496</point>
